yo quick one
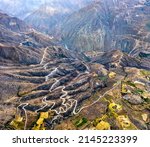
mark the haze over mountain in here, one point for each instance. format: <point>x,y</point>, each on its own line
<point>20,8</point>
<point>75,64</point>
<point>49,16</point>
<point>23,8</point>
<point>44,15</point>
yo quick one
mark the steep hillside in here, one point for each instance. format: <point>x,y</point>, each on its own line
<point>65,92</point>
<point>19,43</point>
<point>107,25</point>
<point>49,16</point>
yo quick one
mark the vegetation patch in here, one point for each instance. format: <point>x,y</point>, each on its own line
<point>81,122</point>
<point>17,123</point>
<point>138,91</point>
<point>103,126</point>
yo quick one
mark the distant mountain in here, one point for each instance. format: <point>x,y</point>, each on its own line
<point>24,8</point>
<point>87,25</point>
<point>20,8</point>
<point>109,24</point>
<point>49,16</point>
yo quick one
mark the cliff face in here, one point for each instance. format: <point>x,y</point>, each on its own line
<point>107,25</point>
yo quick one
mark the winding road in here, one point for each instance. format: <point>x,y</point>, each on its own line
<point>67,102</point>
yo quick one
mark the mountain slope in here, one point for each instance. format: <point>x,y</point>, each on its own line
<point>64,89</point>
<point>106,25</point>
<point>19,43</point>
<point>116,58</point>
<point>48,17</point>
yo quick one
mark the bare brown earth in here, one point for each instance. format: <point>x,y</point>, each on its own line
<point>64,89</point>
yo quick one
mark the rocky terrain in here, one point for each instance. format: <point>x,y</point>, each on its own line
<point>20,43</point>
<point>106,25</point>
<point>59,84</point>
<point>64,88</point>
<point>100,80</point>
<point>90,25</point>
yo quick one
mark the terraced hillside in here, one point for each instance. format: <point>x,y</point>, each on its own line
<point>64,86</point>
<point>59,84</point>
